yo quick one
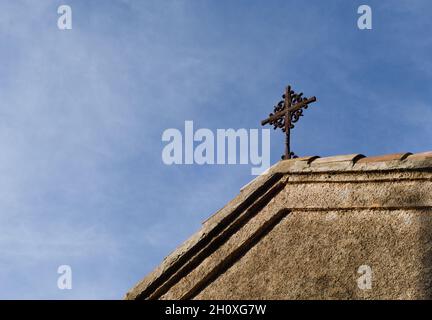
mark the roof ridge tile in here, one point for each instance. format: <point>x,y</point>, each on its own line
<point>386,157</point>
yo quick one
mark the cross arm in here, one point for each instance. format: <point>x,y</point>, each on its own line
<point>294,108</point>
<point>276,116</point>
<point>302,104</point>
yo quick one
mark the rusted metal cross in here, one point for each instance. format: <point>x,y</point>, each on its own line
<point>287,112</point>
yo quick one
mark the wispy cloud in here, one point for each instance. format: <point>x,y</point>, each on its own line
<point>82,113</point>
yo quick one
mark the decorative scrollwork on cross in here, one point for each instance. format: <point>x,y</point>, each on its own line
<point>287,112</point>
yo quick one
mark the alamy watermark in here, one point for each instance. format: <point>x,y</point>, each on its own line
<point>225,146</point>
<point>364,282</point>
<point>364,22</point>
<point>64,22</point>
<point>64,281</point>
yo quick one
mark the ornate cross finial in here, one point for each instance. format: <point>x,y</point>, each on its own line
<point>287,112</point>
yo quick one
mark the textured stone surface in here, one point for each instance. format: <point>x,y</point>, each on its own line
<point>316,255</point>
<point>302,230</point>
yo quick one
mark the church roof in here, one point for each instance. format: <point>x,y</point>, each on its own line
<point>209,263</point>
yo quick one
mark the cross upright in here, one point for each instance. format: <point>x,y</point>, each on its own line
<point>287,112</point>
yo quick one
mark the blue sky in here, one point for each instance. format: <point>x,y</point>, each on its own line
<point>82,113</point>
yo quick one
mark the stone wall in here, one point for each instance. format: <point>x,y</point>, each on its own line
<point>303,230</point>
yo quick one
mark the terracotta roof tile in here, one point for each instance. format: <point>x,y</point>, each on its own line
<point>348,157</point>
<point>421,156</point>
<point>307,159</point>
<point>387,157</point>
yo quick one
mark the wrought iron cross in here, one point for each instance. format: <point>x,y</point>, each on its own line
<point>287,112</point>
